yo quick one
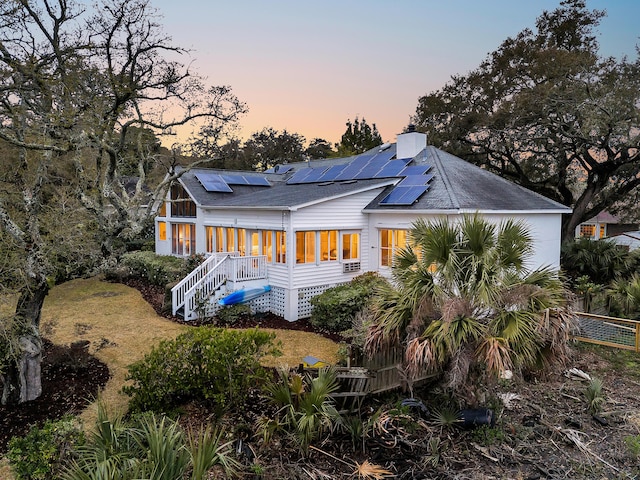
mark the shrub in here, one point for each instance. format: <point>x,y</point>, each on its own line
<point>42,453</point>
<point>211,364</point>
<point>600,260</point>
<point>149,446</point>
<point>305,405</point>
<point>335,308</point>
<point>232,313</point>
<point>156,269</point>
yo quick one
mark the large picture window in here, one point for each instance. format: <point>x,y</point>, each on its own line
<point>391,242</point>
<point>184,238</point>
<point>305,247</point>
<point>181,203</point>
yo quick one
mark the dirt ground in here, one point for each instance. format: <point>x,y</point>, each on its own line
<point>542,427</point>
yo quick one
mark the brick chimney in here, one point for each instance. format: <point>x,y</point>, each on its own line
<point>410,143</point>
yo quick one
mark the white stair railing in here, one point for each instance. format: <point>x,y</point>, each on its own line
<point>197,298</point>
<point>178,292</point>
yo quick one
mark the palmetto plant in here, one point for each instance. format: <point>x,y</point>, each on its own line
<point>307,409</point>
<point>464,301</point>
<point>148,447</point>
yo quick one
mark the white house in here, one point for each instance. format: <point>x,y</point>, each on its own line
<point>302,228</point>
<point>603,225</point>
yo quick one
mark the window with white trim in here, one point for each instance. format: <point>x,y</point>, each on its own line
<point>350,246</point>
<point>306,247</point>
<point>183,238</point>
<point>391,242</point>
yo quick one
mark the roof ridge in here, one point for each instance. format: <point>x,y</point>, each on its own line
<point>435,154</point>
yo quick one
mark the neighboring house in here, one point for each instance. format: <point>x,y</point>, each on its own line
<point>603,225</point>
<point>628,240</point>
<point>305,227</point>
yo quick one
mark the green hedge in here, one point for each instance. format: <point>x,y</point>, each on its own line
<point>42,453</point>
<point>209,364</point>
<point>335,308</point>
<point>156,269</point>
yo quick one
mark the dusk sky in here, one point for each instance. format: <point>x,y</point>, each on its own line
<point>309,66</point>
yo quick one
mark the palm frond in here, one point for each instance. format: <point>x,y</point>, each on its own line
<point>496,355</point>
<point>368,470</point>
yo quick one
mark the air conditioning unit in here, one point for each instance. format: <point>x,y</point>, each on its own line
<point>350,267</point>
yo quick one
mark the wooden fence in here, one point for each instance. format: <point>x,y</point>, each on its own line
<point>609,331</point>
<point>369,375</point>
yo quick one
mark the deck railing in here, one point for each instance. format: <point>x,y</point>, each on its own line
<point>178,292</point>
<point>609,331</point>
<point>242,269</point>
<point>193,293</point>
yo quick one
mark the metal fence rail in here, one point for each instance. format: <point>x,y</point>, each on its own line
<point>609,331</point>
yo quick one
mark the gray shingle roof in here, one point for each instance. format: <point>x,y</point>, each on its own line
<point>460,185</point>
<point>456,185</point>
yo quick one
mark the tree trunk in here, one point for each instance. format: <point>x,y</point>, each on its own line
<point>22,380</point>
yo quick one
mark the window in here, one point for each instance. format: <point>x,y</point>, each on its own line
<point>162,230</point>
<point>328,245</point>
<point>217,239</point>
<point>163,210</point>
<point>254,238</point>
<point>588,231</point>
<point>281,247</point>
<point>603,230</point>
<point>305,247</point>
<point>391,241</point>
<point>184,238</point>
<point>267,244</point>
<point>181,203</point>
<point>242,241</point>
<point>350,246</point>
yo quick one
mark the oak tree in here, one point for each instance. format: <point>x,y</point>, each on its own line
<point>547,111</point>
<point>79,87</point>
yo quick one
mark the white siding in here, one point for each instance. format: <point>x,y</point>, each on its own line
<point>544,228</point>
<point>340,214</point>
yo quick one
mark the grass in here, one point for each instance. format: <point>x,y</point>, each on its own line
<point>122,327</point>
<point>616,358</point>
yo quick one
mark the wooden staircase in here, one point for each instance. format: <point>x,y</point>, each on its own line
<point>196,295</point>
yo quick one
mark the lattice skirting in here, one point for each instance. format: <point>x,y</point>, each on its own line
<point>306,294</point>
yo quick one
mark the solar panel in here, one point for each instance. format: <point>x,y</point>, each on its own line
<point>413,180</point>
<point>282,168</point>
<point>385,156</point>
<point>404,195</point>
<point>354,168</point>
<point>259,181</point>
<point>314,175</point>
<point>415,170</point>
<point>213,182</point>
<point>331,173</point>
<point>392,168</point>
<point>234,179</point>
<point>371,168</point>
<point>299,176</point>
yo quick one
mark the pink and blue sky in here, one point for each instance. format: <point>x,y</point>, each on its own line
<point>308,66</point>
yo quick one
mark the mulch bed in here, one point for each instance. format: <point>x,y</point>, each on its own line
<point>71,379</point>
<point>154,295</point>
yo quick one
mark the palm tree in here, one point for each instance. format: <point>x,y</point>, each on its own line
<point>464,303</point>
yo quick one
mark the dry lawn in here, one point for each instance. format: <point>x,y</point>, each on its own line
<point>122,327</point>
